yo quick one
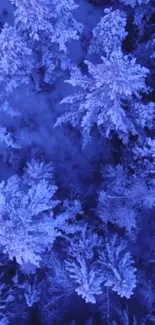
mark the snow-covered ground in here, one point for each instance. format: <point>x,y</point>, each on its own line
<point>6,12</point>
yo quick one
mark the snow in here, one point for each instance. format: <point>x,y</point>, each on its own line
<point>45,106</point>
<point>6,12</point>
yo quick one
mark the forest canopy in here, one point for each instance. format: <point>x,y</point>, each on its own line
<point>77,162</point>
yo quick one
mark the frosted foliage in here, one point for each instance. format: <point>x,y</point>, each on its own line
<point>121,198</point>
<point>66,28</point>
<point>81,267</point>
<point>7,109</point>
<point>54,63</point>
<point>67,219</point>
<point>134,3</point>
<point>118,266</point>
<point>87,279</point>
<point>15,59</point>
<point>36,170</point>
<point>109,32</point>
<point>144,154</point>
<point>142,14</point>
<point>145,51</point>
<point>93,264</point>
<point>144,114</point>
<point>49,64</point>
<point>103,89</point>
<point>26,227</point>
<point>151,46</point>
<point>6,138</point>
<point>57,283</point>
<point>31,293</point>
<point>63,6</point>
<point>115,204</point>
<point>123,75</point>
<point>146,151</point>
<point>85,245</point>
<point>146,291</point>
<point>33,16</point>
<point>47,18</point>
<point>111,208</point>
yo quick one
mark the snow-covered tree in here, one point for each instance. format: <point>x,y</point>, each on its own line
<point>134,3</point>
<point>27,222</point>
<point>54,47</point>
<point>146,291</point>
<point>109,33</point>
<point>16,62</point>
<point>122,196</point>
<point>99,239</point>
<point>81,267</point>
<point>45,17</point>
<point>142,14</point>
<point>114,267</point>
<point>37,170</point>
<point>6,137</point>
<point>33,16</point>
<point>66,220</point>
<point>87,279</point>
<point>144,114</point>
<point>53,63</point>
<point>48,26</point>
<point>105,95</point>
<point>112,209</point>
<point>118,267</point>
<point>66,28</point>
<point>144,157</point>
<point>56,288</point>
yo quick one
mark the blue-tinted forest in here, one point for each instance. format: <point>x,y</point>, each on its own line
<point>77,162</point>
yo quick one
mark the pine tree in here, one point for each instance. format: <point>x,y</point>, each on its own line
<point>27,223</point>
<point>117,264</point>
<point>82,268</point>
<point>134,3</point>
<point>33,17</point>
<point>16,62</point>
<point>109,33</point>
<point>106,91</point>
